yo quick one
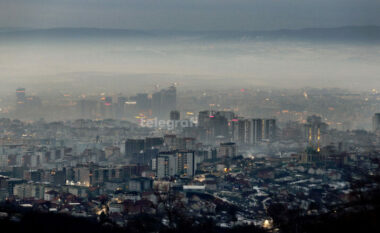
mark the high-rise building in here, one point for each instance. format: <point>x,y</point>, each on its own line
<point>20,101</point>
<point>186,165</point>
<point>216,125</point>
<point>228,149</point>
<point>376,122</point>
<point>169,99</point>
<point>165,164</point>
<point>170,141</point>
<point>175,163</point>
<point>156,103</point>
<point>253,131</point>
<point>164,101</point>
<point>314,129</point>
<point>142,102</point>
<point>204,118</point>
<point>269,129</point>
<point>20,95</point>
<point>120,106</point>
<point>219,125</point>
<point>134,146</point>
<point>229,115</point>
<point>174,115</point>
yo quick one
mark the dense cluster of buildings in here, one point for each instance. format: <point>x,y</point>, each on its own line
<point>157,104</point>
<point>225,167</point>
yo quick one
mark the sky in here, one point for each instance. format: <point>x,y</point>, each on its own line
<point>32,61</point>
<point>188,14</point>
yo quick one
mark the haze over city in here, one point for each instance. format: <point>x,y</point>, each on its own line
<point>187,116</point>
<point>44,42</point>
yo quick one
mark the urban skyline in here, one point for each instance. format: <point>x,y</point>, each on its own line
<point>166,116</point>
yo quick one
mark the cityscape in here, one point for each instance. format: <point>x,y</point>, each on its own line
<point>112,158</point>
<point>169,116</point>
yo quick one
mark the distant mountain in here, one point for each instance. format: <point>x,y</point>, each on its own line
<point>349,33</point>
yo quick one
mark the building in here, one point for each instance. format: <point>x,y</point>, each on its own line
<point>228,149</point>
<point>134,147</point>
<point>165,164</point>
<point>140,184</point>
<point>186,165</point>
<point>142,102</point>
<point>163,102</point>
<point>216,125</point>
<point>153,142</point>
<point>314,129</point>
<point>20,95</point>
<point>269,129</point>
<point>3,187</point>
<point>120,107</point>
<point>204,118</point>
<point>175,163</point>
<point>29,190</point>
<point>376,122</point>
<point>253,131</point>
<point>174,115</point>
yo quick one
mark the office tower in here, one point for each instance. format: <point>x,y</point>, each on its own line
<point>20,95</point>
<point>120,106</point>
<point>20,102</point>
<point>215,124</point>
<point>142,102</point>
<point>174,115</point>
<point>204,118</point>
<point>164,101</point>
<point>314,129</point>
<point>106,108</point>
<point>228,149</point>
<point>169,99</point>
<point>219,125</point>
<point>229,115</point>
<point>376,122</point>
<point>156,104</point>
<point>134,147</point>
<point>130,108</point>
